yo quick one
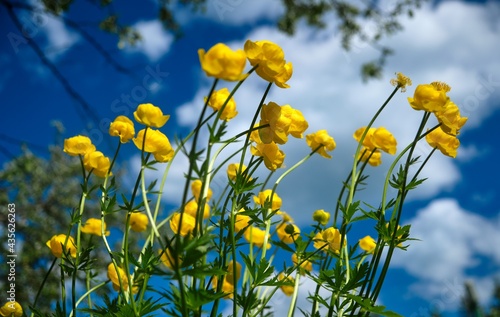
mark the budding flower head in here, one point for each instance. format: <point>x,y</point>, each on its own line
<point>321,216</point>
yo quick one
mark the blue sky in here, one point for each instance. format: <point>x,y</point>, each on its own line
<point>455,213</point>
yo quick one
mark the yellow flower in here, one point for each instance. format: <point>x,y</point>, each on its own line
<point>299,124</point>
<point>430,97</point>
<point>56,245</point>
<point>265,196</point>
<point>256,236</point>
<point>271,60</point>
<point>329,237</point>
<point>97,163</point>
<point>447,144</point>
<point>217,100</point>
<point>222,62</point>
<point>321,216</point>
<point>138,221</point>
<point>321,138</point>
<point>229,278</point>
<point>368,244</point>
<point>287,233</point>
<point>122,127</point>
<point>156,143</point>
<point>93,226</point>
<point>232,170</point>
<point>11,309</point>
<point>168,259</point>
<point>289,287</point>
<point>186,226</point>
<point>150,115</point>
<point>379,138</point>
<point>306,265</point>
<point>115,277</point>
<point>273,156</point>
<point>191,208</point>
<point>401,81</point>
<point>241,222</point>
<point>450,119</point>
<point>284,216</point>
<point>196,190</point>
<point>374,159</point>
<point>78,145</point>
<point>278,120</point>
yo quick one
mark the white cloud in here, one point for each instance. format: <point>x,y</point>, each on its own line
<point>452,241</point>
<point>59,37</point>
<point>155,40</point>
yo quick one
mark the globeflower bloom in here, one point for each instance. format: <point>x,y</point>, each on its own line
<point>150,115</point>
<point>328,239</point>
<point>196,190</point>
<point>11,309</point>
<point>241,222</point>
<point>289,287</point>
<point>256,236</point>
<point>116,276</point>
<point>271,62</point>
<point>156,143</point>
<point>93,226</point>
<point>379,138</point>
<point>232,170</point>
<point>138,222</point>
<point>78,145</point>
<point>191,208</point>
<point>287,233</point>
<point>374,157</point>
<point>168,259</point>
<point>447,144</point>
<point>229,279</point>
<point>321,142</point>
<point>217,100</point>
<point>223,63</point>
<point>280,121</point>
<point>430,97</point>
<point>57,242</point>
<point>367,244</point>
<point>264,197</point>
<point>450,119</point>
<point>273,156</point>
<point>321,216</point>
<point>185,227</point>
<point>305,264</point>
<point>97,163</point>
<point>122,127</point>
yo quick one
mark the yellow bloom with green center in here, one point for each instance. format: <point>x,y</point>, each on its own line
<point>321,142</point>
<point>430,97</point>
<point>156,142</point>
<point>196,190</point>
<point>328,239</point>
<point>217,100</point>
<point>97,163</point>
<point>321,216</point>
<point>264,197</point>
<point>367,244</point>
<point>374,159</point>
<point>450,119</point>
<point>117,274</point>
<point>447,144</point>
<point>93,226</point>
<point>138,221</point>
<point>11,309</point>
<point>122,127</point>
<point>223,63</point>
<point>57,242</point>
<point>271,60</point>
<point>184,226</point>
<point>78,145</point>
<point>271,153</point>
<point>401,81</point>
<point>150,115</point>
<point>287,233</point>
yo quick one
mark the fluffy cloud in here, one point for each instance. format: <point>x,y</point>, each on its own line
<point>452,241</point>
<point>155,42</point>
